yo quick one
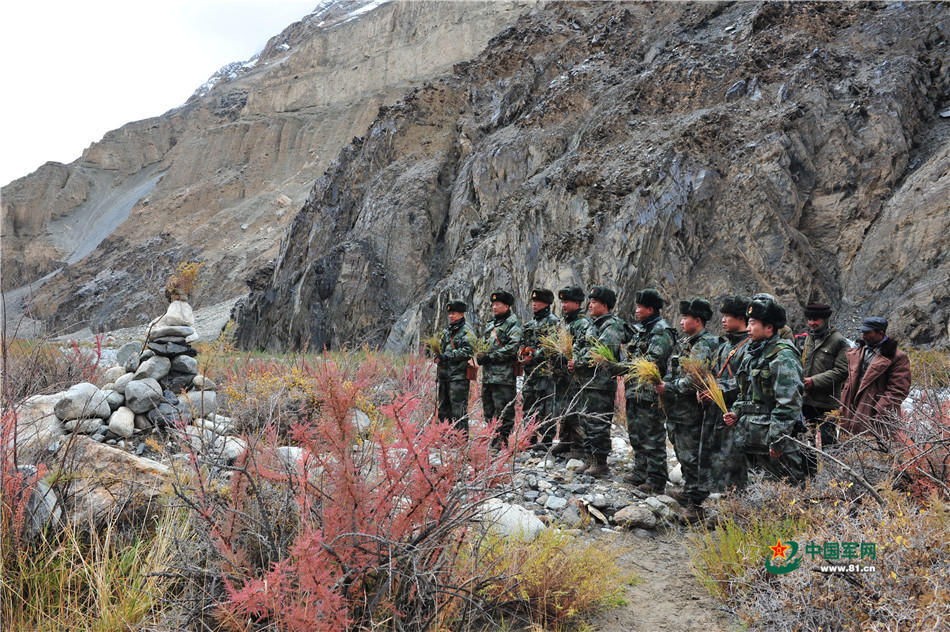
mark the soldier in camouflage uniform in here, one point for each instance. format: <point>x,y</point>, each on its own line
<point>503,335</point>
<point>567,387</point>
<point>654,340</point>
<point>769,407</point>
<point>684,411</point>
<point>537,395</point>
<point>727,466</point>
<point>455,344</point>
<point>598,385</point>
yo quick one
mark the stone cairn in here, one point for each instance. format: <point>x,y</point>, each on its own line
<point>155,385</point>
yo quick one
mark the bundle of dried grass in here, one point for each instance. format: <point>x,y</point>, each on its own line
<point>433,343</point>
<point>600,353</point>
<point>644,372</point>
<point>703,378</point>
<point>558,342</point>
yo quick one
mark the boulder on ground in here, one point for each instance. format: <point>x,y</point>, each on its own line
<point>509,520</point>
<point>82,401</point>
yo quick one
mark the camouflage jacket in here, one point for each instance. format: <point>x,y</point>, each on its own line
<point>654,340</point>
<point>611,331</point>
<point>538,369</point>
<point>679,400</point>
<point>770,395</point>
<point>728,359</point>
<point>577,324</point>
<point>825,361</point>
<point>503,335</point>
<point>455,342</point>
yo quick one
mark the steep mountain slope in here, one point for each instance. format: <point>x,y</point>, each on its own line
<point>219,178</point>
<point>700,148</point>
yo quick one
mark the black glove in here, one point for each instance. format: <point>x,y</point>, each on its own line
<point>482,358</point>
<point>444,357</point>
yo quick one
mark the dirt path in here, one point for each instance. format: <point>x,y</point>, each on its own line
<point>668,596</point>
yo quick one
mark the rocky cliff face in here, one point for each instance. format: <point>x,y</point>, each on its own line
<point>219,178</point>
<point>703,149</point>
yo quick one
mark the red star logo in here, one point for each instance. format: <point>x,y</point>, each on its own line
<point>778,551</point>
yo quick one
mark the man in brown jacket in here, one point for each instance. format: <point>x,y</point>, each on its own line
<point>825,367</point>
<point>878,380</point>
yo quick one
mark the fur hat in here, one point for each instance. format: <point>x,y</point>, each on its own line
<point>768,312</point>
<point>456,306</point>
<point>698,307</point>
<point>603,294</point>
<point>543,295</point>
<point>503,296</point>
<point>736,306</point>
<point>650,298</point>
<point>571,293</point>
<point>817,310</point>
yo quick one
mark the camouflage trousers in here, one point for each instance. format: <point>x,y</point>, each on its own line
<point>540,402</point>
<point>453,402</point>
<point>567,405</point>
<point>648,439</point>
<point>726,461</point>
<point>498,402</point>
<point>790,466</point>
<point>597,412</point>
<point>687,442</point>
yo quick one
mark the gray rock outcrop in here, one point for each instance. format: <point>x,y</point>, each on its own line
<point>595,144</point>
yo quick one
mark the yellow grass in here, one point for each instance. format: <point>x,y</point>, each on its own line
<point>644,372</point>
<point>433,343</point>
<point>600,352</point>
<point>558,342</point>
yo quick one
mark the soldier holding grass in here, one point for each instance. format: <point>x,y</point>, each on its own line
<point>455,350</point>
<point>727,466</point>
<point>685,413</point>
<point>605,335</point>
<point>537,395</point>
<point>567,385</point>
<point>502,339</point>
<point>653,340</point>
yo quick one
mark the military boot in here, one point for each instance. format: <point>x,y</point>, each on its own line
<point>599,467</point>
<point>692,514</point>
<point>563,447</point>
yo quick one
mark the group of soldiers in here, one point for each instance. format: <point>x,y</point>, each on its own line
<point>773,387</point>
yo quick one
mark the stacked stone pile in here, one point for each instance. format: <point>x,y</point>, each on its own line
<point>154,386</point>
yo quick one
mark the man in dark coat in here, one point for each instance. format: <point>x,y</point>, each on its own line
<point>878,381</point>
<point>825,367</point>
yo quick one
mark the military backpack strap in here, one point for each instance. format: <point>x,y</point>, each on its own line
<point>726,364</point>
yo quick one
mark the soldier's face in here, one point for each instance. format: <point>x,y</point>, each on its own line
<point>642,312</point>
<point>498,308</point>
<point>568,307</point>
<point>454,317</point>
<point>732,324</point>
<point>537,305</point>
<point>814,324</point>
<point>760,331</point>
<point>690,324</point>
<point>596,308</point>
